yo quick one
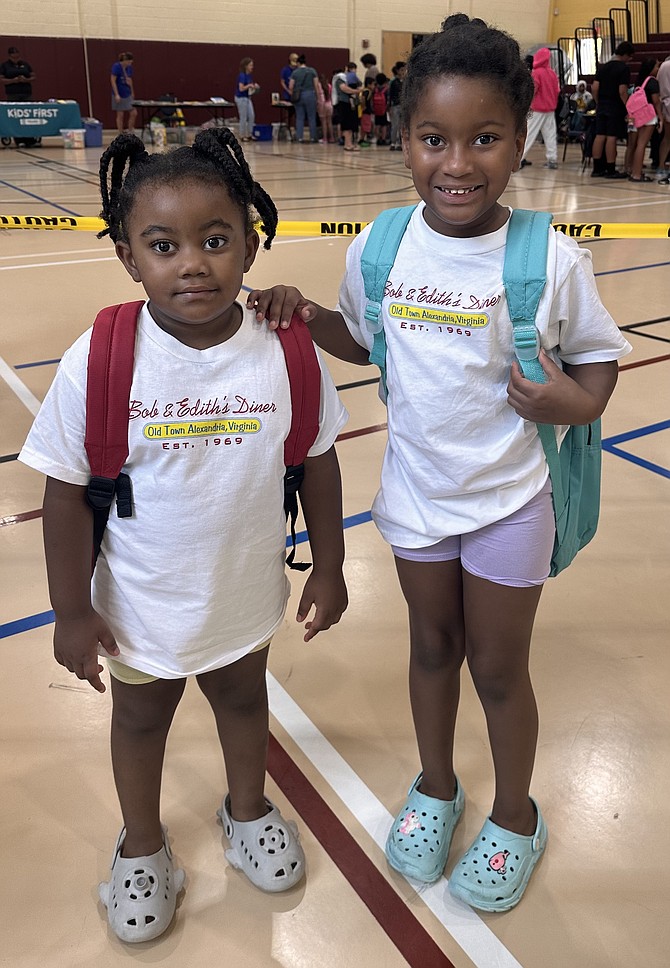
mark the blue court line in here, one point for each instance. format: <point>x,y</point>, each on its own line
<point>25,366</point>
<point>46,618</point>
<point>614,272</point>
<point>38,197</point>
<point>610,445</point>
<point>24,624</point>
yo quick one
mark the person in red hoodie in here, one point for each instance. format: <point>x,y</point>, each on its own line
<point>543,105</point>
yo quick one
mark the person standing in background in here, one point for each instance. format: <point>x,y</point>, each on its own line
<point>369,62</point>
<point>302,86</point>
<point>246,88</point>
<point>123,92</point>
<point>17,75</point>
<point>542,108</point>
<point>285,93</point>
<point>285,77</point>
<point>610,92</point>
<point>663,78</point>
<point>324,107</point>
<point>395,90</point>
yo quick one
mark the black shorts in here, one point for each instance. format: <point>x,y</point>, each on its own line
<point>381,120</point>
<point>348,117</point>
<point>611,121</point>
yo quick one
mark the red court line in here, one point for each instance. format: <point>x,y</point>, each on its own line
<point>360,433</point>
<point>653,359</point>
<point>388,908</point>
<point>18,518</point>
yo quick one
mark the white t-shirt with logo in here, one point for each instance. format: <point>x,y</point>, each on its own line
<point>458,456</point>
<point>195,579</point>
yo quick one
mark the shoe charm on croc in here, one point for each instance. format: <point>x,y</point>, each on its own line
<point>494,873</point>
<point>267,850</point>
<point>419,840</point>
<point>141,895</point>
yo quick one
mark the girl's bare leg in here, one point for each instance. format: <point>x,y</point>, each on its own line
<point>141,719</point>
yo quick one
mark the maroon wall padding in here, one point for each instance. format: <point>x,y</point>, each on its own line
<point>194,72</point>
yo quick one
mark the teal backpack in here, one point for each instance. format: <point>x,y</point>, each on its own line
<point>575,470</point>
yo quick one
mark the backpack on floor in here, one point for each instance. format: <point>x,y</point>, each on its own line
<point>575,469</point>
<point>109,380</point>
<point>638,107</point>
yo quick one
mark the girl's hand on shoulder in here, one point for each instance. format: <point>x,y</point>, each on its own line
<point>278,304</point>
<point>76,646</point>
<point>328,592</point>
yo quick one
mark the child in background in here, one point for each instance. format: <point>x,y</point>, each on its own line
<point>465,498</point>
<point>352,78</point>
<point>346,88</point>
<point>647,77</point>
<point>366,112</point>
<point>194,583</point>
<point>394,94</point>
<point>324,107</point>
<point>380,108</point>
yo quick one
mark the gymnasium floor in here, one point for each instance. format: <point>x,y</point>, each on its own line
<point>342,751</point>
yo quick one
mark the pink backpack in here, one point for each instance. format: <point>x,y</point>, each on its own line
<point>639,108</point>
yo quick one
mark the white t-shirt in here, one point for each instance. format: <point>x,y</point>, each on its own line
<point>458,456</point>
<point>195,579</point>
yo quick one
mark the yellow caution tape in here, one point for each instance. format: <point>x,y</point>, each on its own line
<point>576,230</point>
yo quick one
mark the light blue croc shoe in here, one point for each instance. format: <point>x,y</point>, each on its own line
<point>493,874</point>
<point>419,840</point>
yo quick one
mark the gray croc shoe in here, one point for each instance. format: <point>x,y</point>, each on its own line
<point>267,850</point>
<point>141,896</point>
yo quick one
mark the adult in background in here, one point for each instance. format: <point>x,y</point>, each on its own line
<point>285,93</point>
<point>17,75</point>
<point>542,119</point>
<point>123,92</point>
<point>303,85</point>
<point>244,91</point>
<point>610,92</point>
<point>369,62</point>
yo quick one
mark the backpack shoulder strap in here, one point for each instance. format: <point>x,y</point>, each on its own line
<point>304,374</point>
<point>377,261</point>
<point>110,374</point>
<point>524,277</point>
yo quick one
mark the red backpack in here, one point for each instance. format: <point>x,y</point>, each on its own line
<point>379,101</point>
<point>110,374</point>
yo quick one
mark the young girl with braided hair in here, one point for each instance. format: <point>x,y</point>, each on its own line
<point>465,500</point>
<point>193,584</point>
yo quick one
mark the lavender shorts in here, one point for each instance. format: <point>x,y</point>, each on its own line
<point>515,551</point>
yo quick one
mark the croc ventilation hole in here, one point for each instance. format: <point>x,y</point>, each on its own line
<point>273,840</point>
<point>422,830</point>
<point>140,885</point>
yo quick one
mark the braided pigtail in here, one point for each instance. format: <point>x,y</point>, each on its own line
<point>124,152</point>
<point>220,146</point>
